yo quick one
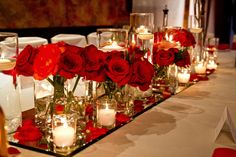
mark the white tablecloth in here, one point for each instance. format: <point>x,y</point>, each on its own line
<point>181,126</point>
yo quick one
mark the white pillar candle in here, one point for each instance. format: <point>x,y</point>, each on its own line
<point>211,65</point>
<point>63,136</point>
<point>200,68</point>
<point>183,77</point>
<point>106,117</point>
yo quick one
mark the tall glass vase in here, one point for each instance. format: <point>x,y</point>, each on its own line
<point>9,82</point>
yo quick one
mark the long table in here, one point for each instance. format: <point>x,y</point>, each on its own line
<point>182,126</point>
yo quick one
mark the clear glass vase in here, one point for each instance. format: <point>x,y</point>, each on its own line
<point>165,79</point>
<point>9,81</point>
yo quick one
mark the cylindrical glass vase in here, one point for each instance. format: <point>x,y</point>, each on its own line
<point>9,82</point>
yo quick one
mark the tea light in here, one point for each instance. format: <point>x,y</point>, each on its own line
<point>63,135</point>
<point>106,116</point>
<point>200,68</point>
<point>183,77</point>
<point>211,65</point>
<point>113,46</point>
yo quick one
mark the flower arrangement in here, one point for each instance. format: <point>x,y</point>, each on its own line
<point>171,46</point>
<point>60,62</point>
<point>170,50</point>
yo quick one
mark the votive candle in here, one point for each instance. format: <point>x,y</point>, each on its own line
<point>183,77</point>
<point>106,116</point>
<point>200,68</point>
<point>63,136</point>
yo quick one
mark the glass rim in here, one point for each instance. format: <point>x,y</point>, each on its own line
<point>112,30</point>
<point>3,34</point>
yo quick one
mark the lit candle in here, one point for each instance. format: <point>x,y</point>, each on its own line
<point>7,64</point>
<point>211,65</point>
<point>64,135</point>
<point>113,46</point>
<point>200,68</point>
<point>183,77</point>
<point>143,33</point>
<point>106,117</point>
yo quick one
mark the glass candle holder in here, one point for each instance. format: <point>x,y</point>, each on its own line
<point>110,39</point>
<point>106,113</point>
<point>183,76</point>
<point>141,34</point>
<point>211,47</point>
<point>200,68</point>
<point>64,132</point>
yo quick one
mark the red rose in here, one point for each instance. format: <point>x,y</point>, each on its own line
<point>142,73</point>
<point>46,61</point>
<point>183,59</point>
<point>118,69</point>
<point>70,61</point>
<point>185,38</point>
<point>164,58</point>
<point>93,64</point>
<point>25,61</point>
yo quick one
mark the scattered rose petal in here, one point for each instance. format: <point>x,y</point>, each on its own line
<point>13,151</point>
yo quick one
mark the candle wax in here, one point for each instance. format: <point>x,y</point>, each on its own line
<point>63,136</point>
<point>106,117</point>
<point>183,77</point>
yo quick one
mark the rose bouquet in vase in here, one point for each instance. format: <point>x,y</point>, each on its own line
<point>170,52</point>
<point>51,66</point>
<point>115,72</point>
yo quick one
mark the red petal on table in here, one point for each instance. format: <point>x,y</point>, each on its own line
<point>166,94</point>
<point>93,132</point>
<point>224,152</point>
<point>12,150</point>
<point>122,118</point>
<point>193,77</point>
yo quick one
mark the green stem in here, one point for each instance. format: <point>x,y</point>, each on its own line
<point>76,83</point>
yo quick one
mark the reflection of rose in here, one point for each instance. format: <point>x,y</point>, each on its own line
<point>182,59</point>
<point>28,132</point>
<point>25,61</point>
<point>46,61</point>
<point>93,64</point>
<point>118,70</point>
<point>164,58</point>
<point>70,62</point>
<point>142,74</point>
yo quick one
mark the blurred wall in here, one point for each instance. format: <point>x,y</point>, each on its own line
<point>63,13</point>
<point>175,15</point>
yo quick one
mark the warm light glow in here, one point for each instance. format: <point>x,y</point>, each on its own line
<point>112,46</point>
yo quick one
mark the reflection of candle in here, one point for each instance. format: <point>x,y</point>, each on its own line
<point>183,77</point>
<point>113,46</point>
<point>63,135</point>
<point>211,65</point>
<point>106,117</point>
<point>7,64</point>
<point>200,68</point>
